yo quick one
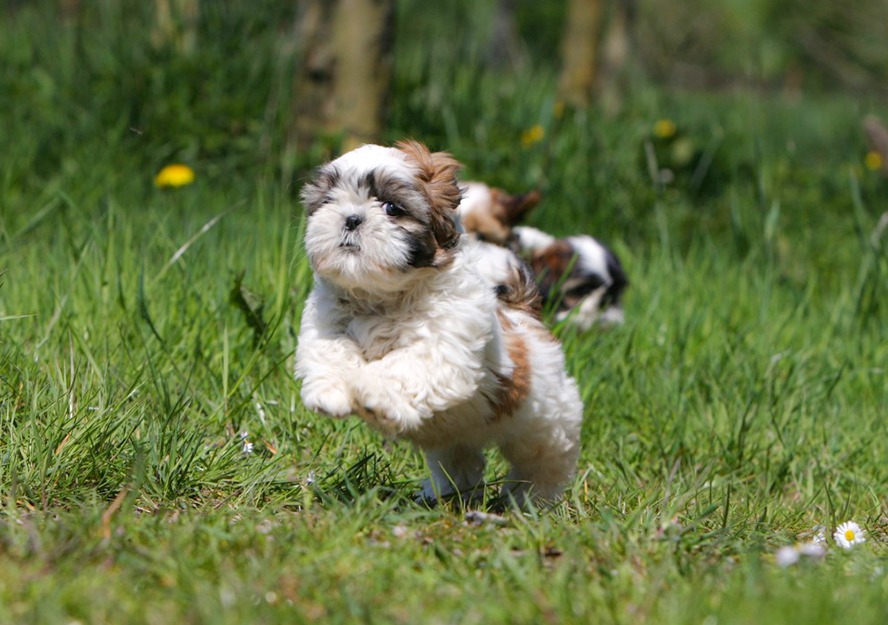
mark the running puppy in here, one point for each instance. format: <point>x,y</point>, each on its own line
<point>401,330</point>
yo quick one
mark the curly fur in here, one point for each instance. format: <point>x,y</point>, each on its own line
<point>403,330</point>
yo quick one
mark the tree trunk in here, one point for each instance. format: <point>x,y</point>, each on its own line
<point>70,10</point>
<point>616,49</point>
<point>343,78</point>
<point>176,25</point>
<point>579,48</point>
<point>312,108</point>
<point>363,37</point>
<point>505,48</point>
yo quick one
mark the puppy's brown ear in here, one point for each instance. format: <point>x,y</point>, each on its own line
<point>437,174</point>
<point>517,206</point>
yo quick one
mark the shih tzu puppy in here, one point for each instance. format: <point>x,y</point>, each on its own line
<point>578,275</point>
<point>490,213</point>
<point>402,330</point>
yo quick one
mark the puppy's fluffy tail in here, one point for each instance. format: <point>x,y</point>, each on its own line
<point>518,290</point>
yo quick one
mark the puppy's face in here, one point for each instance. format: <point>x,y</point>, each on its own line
<point>377,215</point>
<point>560,276</point>
<point>583,276</point>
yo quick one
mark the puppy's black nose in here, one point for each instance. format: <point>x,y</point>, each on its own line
<point>353,221</point>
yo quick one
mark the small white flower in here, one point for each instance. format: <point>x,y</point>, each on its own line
<point>848,534</point>
<point>400,531</point>
<point>792,554</point>
<point>814,550</point>
<point>819,537</point>
<point>246,445</point>
<point>787,556</point>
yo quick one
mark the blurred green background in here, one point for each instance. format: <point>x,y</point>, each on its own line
<point>82,79</point>
<point>765,99</point>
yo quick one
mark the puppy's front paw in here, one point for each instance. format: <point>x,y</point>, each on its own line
<point>378,420</point>
<point>327,397</point>
<point>385,406</point>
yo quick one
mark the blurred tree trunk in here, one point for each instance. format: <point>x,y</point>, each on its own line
<point>616,49</point>
<point>579,50</point>
<point>343,79</point>
<point>176,25</point>
<point>362,35</point>
<point>505,49</point>
<point>312,107</point>
<point>70,10</point>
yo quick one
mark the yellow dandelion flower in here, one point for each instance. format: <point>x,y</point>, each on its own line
<point>175,175</point>
<point>532,135</point>
<point>873,161</point>
<point>664,128</point>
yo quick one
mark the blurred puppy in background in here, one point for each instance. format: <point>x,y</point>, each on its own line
<point>579,276</point>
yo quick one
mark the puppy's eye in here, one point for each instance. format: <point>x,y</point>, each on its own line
<point>393,210</point>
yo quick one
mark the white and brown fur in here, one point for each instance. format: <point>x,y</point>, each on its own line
<point>490,213</point>
<point>401,329</point>
<point>579,276</point>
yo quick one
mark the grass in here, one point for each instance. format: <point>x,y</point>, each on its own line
<point>142,332</point>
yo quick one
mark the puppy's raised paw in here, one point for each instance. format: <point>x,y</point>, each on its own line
<point>385,408</point>
<point>378,420</point>
<point>327,397</point>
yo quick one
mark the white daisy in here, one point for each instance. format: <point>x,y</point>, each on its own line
<point>848,534</point>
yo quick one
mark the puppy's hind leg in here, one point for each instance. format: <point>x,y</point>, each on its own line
<point>541,469</point>
<point>457,469</point>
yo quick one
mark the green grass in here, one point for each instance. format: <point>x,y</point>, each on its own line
<point>742,403</point>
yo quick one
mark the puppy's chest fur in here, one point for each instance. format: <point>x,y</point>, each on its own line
<point>499,365</point>
<point>377,335</point>
<point>380,329</point>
